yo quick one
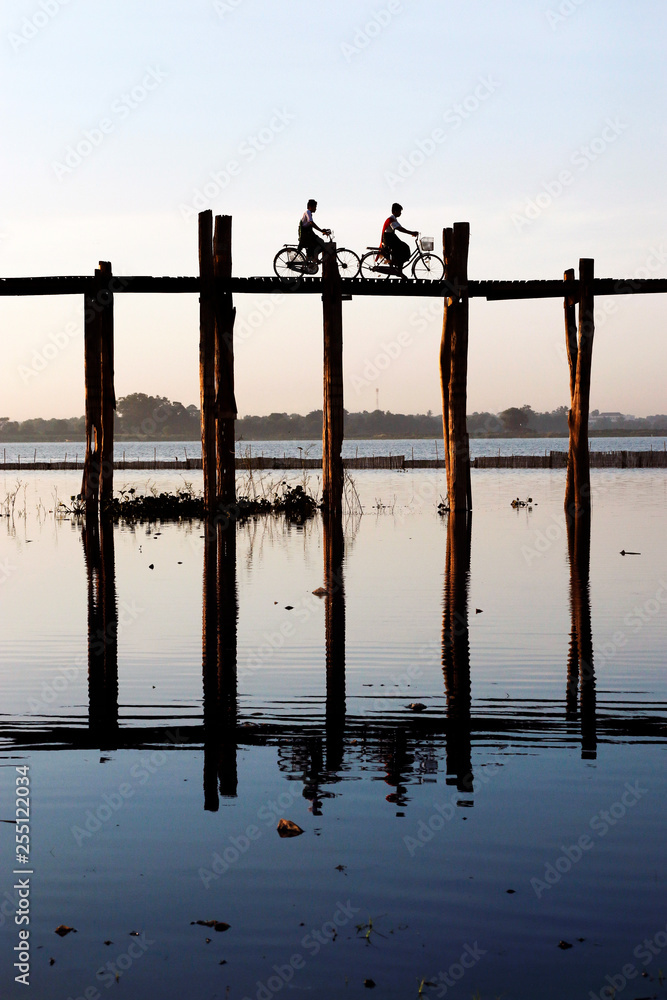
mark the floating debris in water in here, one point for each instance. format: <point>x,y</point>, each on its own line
<point>217,925</point>
<point>416,706</point>
<point>286,828</point>
<point>63,929</point>
<point>564,945</point>
<point>321,592</point>
<point>624,553</point>
<point>522,503</point>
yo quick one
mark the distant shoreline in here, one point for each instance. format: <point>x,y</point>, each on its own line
<point>499,436</point>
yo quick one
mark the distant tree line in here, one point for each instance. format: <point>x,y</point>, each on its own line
<point>138,418</point>
<point>152,418</point>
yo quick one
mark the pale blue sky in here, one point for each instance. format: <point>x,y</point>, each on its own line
<point>540,123</point>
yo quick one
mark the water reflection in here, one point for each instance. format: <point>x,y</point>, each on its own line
<point>98,547</point>
<point>334,635</point>
<point>580,696</point>
<point>394,745</point>
<point>219,639</point>
<point>456,650</point>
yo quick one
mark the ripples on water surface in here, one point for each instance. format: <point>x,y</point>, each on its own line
<point>518,774</point>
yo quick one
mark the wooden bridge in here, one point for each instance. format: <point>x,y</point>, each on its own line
<point>215,285</point>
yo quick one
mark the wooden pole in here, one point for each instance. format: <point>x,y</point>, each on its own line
<point>454,347</point>
<point>92,349</point>
<point>207,357</point>
<point>569,308</point>
<point>578,457</point>
<point>446,350</point>
<point>332,410</point>
<point>108,401</point>
<point>225,314</point>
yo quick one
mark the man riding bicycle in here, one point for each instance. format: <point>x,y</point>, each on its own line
<point>395,250</point>
<point>311,243</point>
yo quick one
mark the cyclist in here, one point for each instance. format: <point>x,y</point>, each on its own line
<point>395,250</point>
<point>311,243</point>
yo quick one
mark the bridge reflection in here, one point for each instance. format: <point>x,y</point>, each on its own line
<point>315,749</point>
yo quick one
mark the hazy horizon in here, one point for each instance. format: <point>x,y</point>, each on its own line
<point>543,127</point>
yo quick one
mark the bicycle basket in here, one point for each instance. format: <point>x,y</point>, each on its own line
<point>426,243</point>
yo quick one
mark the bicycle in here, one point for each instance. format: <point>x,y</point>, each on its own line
<point>292,260</point>
<point>425,264</point>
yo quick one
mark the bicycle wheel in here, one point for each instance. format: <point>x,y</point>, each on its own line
<point>428,266</point>
<point>348,263</point>
<point>368,264</point>
<point>289,262</point>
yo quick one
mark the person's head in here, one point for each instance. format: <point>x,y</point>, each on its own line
<point>396,209</point>
<point>312,204</point>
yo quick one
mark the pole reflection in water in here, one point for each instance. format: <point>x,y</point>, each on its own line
<point>219,631</point>
<point>98,548</point>
<point>334,632</point>
<point>580,670</point>
<point>456,650</point>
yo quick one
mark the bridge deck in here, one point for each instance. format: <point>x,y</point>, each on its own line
<point>491,290</point>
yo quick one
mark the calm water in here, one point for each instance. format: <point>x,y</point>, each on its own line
<point>457,845</point>
<point>56,451</point>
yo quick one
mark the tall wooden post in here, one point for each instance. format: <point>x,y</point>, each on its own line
<point>225,314</point>
<point>332,415</point>
<point>207,357</point>
<point>92,351</point>
<point>108,403</point>
<point>454,367</point>
<point>578,486</point>
<point>570,315</point>
<point>446,347</point>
